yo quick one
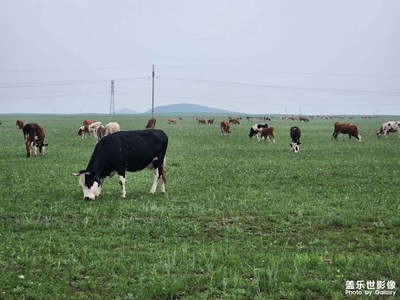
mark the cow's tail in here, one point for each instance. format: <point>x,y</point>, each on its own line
<point>162,170</point>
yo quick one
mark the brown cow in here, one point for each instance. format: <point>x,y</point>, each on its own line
<point>225,127</point>
<point>267,133</point>
<point>19,124</point>
<point>346,128</point>
<point>172,121</point>
<point>201,121</point>
<point>151,123</point>
<point>34,136</point>
<point>210,121</point>
<point>234,120</point>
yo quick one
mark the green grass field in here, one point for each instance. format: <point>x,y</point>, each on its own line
<point>240,220</point>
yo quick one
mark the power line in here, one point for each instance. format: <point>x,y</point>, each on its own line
<point>280,87</point>
<point>63,83</point>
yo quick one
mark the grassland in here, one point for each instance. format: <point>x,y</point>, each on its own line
<point>240,220</point>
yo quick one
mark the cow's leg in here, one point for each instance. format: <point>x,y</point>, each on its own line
<point>36,149</point>
<point>164,176</point>
<point>155,181</point>
<point>160,173</point>
<point>122,181</point>
<point>28,149</point>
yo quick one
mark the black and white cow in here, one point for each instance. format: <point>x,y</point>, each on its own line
<point>257,128</point>
<point>295,134</point>
<point>125,151</point>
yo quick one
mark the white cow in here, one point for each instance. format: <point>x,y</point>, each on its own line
<point>389,126</point>
<point>112,127</point>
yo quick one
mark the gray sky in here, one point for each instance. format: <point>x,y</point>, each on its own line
<point>250,56</point>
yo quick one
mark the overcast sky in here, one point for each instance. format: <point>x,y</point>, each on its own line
<point>250,56</point>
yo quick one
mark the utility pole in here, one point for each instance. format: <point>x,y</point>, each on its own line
<point>152,95</point>
<point>112,102</point>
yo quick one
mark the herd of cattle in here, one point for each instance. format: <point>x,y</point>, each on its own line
<point>119,151</point>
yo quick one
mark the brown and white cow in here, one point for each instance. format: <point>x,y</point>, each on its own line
<point>34,136</point>
<point>387,127</point>
<point>19,124</point>
<point>83,131</point>
<point>346,128</point>
<point>267,134</point>
<point>101,132</point>
<point>89,130</point>
<point>210,121</point>
<point>225,126</point>
<point>201,121</point>
<point>172,121</point>
<point>234,120</point>
<point>151,123</point>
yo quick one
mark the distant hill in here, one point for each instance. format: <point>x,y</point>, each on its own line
<point>125,111</point>
<point>187,108</point>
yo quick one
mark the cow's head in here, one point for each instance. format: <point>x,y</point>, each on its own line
<point>252,132</point>
<point>90,184</point>
<point>295,147</point>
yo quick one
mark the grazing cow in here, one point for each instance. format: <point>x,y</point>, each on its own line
<point>257,128</point>
<point>201,121</point>
<point>225,127</point>
<point>83,131</point>
<point>234,120</point>
<point>346,128</point>
<point>387,127</point>
<point>19,124</point>
<point>125,151</point>
<point>101,132</point>
<point>111,128</point>
<point>94,126</point>
<point>267,134</point>
<point>172,121</point>
<point>151,123</point>
<point>210,121</point>
<point>90,130</point>
<point>295,134</point>
<point>88,122</point>
<point>304,119</point>
<point>34,136</point>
